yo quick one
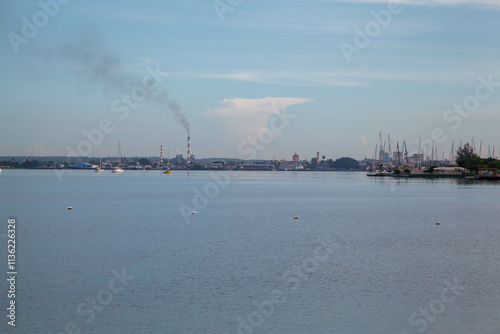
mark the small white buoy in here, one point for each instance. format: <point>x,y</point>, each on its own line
<point>70,208</point>
<point>438,223</point>
<point>295,217</point>
<point>193,213</point>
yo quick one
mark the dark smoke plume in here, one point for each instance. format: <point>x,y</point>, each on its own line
<point>179,115</point>
<point>89,56</point>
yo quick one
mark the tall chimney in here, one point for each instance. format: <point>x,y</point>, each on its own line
<point>189,150</point>
<point>317,157</point>
<point>161,155</point>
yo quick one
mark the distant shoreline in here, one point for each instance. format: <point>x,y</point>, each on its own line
<point>185,169</point>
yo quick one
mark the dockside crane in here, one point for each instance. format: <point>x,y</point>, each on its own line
<point>406,152</point>
<point>399,154</point>
<point>390,150</point>
<point>452,153</point>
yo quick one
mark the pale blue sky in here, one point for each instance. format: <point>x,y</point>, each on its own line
<point>230,77</point>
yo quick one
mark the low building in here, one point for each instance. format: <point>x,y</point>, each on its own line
<point>84,166</point>
<point>441,170</point>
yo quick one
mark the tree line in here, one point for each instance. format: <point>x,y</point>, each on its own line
<point>468,159</point>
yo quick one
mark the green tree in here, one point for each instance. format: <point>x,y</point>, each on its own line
<point>346,163</point>
<point>31,164</point>
<point>467,159</point>
<point>144,161</point>
<point>493,164</point>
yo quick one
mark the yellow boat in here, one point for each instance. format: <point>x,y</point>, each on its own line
<point>167,171</point>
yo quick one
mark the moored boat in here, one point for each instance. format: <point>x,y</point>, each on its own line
<point>488,174</point>
<point>167,171</point>
<point>379,172</point>
<point>99,169</point>
<point>119,169</point>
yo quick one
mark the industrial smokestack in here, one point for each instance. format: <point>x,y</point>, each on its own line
<point>161,155</point>
<point>189,150</point>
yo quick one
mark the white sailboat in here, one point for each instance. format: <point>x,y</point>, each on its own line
<point>99,169</point>
<point>118,169</point>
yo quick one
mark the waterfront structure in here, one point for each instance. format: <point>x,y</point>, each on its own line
<point>257,167</point>
<point>84,166</point>
<point>438,172</point>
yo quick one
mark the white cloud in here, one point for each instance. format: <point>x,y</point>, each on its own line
<point>363,147</point>
<point>247,117</point>
<point>267,106</point>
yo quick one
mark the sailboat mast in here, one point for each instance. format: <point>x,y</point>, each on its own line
<point>420,153</point>
<point>380,156</point>
<point>399,154</point>
<point>452,153</point>
<point>432,153</point>
<point>120,150</point>
<point>406,152</point>
<point>390,150</point>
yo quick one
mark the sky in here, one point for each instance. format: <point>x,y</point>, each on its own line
<point>249,79</point>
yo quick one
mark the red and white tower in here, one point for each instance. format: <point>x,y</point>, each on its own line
<point>161,155</point>
<point>189,150</point>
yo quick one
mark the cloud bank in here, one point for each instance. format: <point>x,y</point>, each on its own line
<point>246,117</point>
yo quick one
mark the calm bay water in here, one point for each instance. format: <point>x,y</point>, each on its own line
<point>364,255</point>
